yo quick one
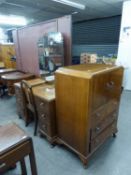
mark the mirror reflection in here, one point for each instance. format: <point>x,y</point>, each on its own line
<point>50,52</point>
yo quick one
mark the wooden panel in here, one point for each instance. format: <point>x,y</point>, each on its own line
<point>72,110</point>
<point>65,27</point>
<point>103,136</point>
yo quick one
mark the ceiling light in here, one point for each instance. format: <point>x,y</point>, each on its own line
<point>12,20</point>
<point>72,4</point>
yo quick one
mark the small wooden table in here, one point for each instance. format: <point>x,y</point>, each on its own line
<point>10,79</point>
<point>5,71</point>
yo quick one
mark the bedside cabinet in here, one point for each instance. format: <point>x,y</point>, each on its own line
<point>87,105</point>
<point>45,104</point>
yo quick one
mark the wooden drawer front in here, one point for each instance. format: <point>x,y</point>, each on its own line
<point>106,87</point>
<point>103,112</point>
<point>103,124</point>
<point>45,127</point>
<point>43,117</point>
<point>103,136</point>
<point>42,106</point>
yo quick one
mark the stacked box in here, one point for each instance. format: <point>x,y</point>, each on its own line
<point>86,58</point>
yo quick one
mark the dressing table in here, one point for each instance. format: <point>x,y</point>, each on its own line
<point>45,103</point>
<point>10,79</point>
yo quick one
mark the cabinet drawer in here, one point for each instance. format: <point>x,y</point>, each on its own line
<point>43,118</point>
<point>103,124</point>
<point>103,112</point>
<point>106,86</point>
<point>44,127</point>
<point>96,142</point>
<point>42,106</point>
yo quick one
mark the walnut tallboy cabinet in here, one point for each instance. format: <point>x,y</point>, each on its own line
<point>87,104</point>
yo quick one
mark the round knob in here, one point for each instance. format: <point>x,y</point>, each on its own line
<point>97,129</point>
<point>43,116</point>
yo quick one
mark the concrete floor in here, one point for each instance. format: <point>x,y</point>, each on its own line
<point>113,158</point>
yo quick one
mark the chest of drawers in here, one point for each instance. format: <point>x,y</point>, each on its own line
<point>45,104</point>
<point>87,104</point>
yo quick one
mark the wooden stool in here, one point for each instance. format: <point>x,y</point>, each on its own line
<point>14,146</point>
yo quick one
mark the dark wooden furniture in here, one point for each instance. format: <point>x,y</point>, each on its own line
<point>5,71</point>
<point>15,145</point>
<point>2,86</point>
<point>10,79</point>
<point>19,100</point>
<point>87,104</point>
<point>45,105</point>
<point>29,103</point>
<point>19,97</point>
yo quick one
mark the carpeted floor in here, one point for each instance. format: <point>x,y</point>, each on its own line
<point>113,158</point>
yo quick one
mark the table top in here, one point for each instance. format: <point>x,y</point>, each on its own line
<point>35,81</point>
<point>16,76</point>
<point>10,135</point>
<point>45,91</point>
<point>4,71</point>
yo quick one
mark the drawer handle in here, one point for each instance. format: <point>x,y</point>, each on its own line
<point>43,116</point>
<point>97,129</point>
<point>110,84</point>
<point>41,104</point>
